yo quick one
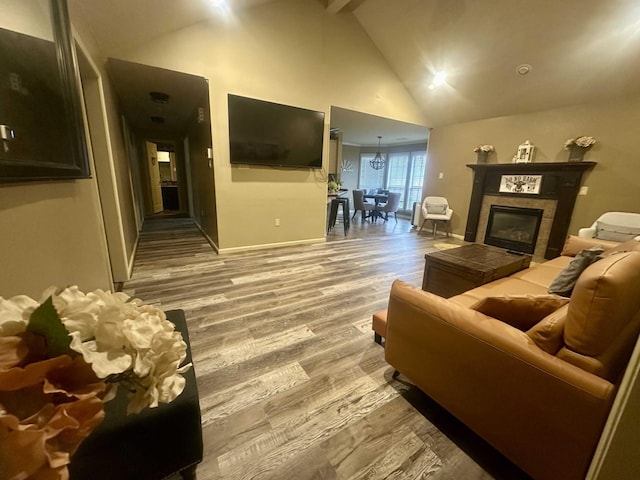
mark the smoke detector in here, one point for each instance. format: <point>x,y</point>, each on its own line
<point>523,69</point>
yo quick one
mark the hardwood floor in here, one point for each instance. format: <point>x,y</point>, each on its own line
<point>291,384</point>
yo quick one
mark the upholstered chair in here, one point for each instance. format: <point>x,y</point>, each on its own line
<point>360,204</point>
<point>391,206</point>
<point>614,226</point>
<point>436,209</point>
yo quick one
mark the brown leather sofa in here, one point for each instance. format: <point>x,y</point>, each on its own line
<point>533,374</point>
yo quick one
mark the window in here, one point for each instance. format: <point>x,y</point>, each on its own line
<point>370,178</point>
<point>403,173</point>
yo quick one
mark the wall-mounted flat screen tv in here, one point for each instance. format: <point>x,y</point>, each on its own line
<point>266,133</point>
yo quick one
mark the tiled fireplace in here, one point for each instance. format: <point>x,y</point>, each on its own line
<point>547,189</point>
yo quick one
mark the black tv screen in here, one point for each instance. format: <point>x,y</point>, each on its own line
<point>266,133</point>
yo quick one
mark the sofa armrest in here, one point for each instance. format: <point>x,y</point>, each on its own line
<point>493,377</point>
<point>588,232</point>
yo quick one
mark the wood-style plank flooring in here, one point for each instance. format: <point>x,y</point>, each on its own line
<point>291,384</point>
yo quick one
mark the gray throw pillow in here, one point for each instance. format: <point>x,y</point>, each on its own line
<point>437,209</point>
<point>565,281</point>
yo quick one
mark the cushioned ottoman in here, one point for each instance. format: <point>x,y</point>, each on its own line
<point>379,326</point>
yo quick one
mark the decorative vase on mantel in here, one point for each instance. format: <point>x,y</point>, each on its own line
<point>576,153</point>
<point>482,156</point>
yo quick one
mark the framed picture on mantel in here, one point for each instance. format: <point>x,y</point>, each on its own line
<point>528,184</point>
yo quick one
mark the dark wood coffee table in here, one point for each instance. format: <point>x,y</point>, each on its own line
<point>454,271</point>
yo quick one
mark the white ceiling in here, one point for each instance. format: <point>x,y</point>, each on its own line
<point>580,50</point>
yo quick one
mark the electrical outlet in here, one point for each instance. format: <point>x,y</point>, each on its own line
<point>441,175</point>
<point>583,190</point>
<point>277,222</point>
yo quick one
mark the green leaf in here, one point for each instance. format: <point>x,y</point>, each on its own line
<point>45,321</point>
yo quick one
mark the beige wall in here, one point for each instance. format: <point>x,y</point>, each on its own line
<point>290,52</point>
<point>613,183</point>
<point>52,232</point>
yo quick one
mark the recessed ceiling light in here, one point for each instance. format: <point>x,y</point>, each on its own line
<point>523,69</point>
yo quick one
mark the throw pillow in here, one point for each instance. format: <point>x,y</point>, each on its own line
<point>574,245</point>
<point>437,209</point>
<point>565,281</point>
<point>628,246</point>
<point>617,233</point>
<point>548,334</point>
<point>520,311</point>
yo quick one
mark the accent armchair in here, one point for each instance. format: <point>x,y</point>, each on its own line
<point>437,210</point>
<point>614,226</point>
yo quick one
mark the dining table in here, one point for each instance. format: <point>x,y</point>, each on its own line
<point>379,199</point>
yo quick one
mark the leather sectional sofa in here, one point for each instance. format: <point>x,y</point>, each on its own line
<point>533,374</point>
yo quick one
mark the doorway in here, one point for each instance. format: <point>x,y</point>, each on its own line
<point>166,112</point>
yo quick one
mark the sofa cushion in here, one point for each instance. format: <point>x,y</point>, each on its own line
<point>565,281</point>
<point>520,311</point>
<point>618,233</point>
<point>544,273</point>
<point>505,286</point>
<point>574,245</point>
<point>548,334</point>
<point>605,298</point>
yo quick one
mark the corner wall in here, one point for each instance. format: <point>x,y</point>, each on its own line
<point>613,183</point>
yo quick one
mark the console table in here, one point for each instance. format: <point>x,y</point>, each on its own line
<point>451,272</point>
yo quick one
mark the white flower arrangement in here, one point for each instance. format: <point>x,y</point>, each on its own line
<point>584,142</point>
<point>484,148</point>
<point>124,341</point>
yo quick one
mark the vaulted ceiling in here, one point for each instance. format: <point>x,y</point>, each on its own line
<point>577,51</point>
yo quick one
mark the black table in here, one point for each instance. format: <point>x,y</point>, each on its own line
<point>379,198</point>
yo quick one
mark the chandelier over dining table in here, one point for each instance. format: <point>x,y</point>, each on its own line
<point>378,162</point>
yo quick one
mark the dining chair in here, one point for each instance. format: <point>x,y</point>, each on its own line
<point>359,203</point>
<point>392,205</point>
<point>437,210</point>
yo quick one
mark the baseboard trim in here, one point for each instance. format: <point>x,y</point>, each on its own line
<point>209,239</point>
<point>272,245</point>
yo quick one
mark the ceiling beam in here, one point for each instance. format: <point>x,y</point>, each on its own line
<point>336,5</point>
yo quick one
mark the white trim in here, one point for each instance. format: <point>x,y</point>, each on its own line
<point>272,245</point>
<point>132,257</point>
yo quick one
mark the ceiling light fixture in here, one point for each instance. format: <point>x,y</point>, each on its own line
<point>378,162</point>
<point>439,79</point>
